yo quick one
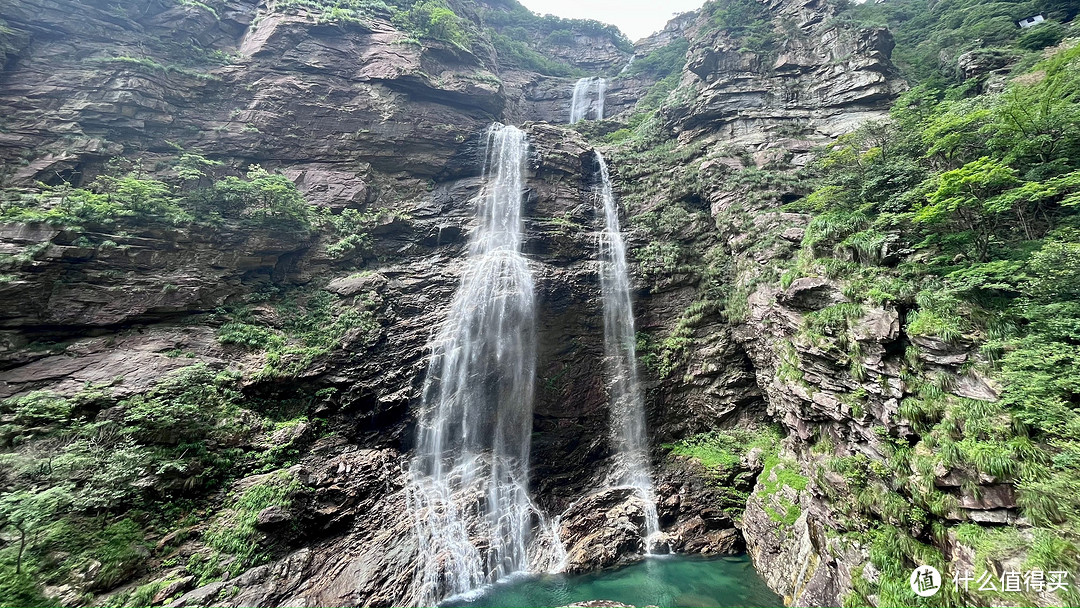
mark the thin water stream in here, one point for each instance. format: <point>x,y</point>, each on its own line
<point>626,397</point>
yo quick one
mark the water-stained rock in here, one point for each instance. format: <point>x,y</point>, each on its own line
<point>603,529</point>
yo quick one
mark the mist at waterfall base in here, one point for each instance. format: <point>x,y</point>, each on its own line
<point>670,581</point>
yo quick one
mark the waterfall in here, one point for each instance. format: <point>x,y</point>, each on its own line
<point>620,354</point>
<point>580,103</point>
<point>468,490</point>
<point>601,88</point>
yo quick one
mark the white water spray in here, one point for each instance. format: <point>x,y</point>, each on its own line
<point>582,105</point>
<point>620,354</point>
<point>469,477</point>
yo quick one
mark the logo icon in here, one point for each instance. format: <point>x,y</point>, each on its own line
<point>925,581</point>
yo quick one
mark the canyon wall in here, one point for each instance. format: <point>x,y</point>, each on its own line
<point>375,122</point>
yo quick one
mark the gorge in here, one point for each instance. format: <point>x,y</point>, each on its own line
<point>361,302</point>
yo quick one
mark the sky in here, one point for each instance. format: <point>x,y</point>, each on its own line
<point>636,18</point>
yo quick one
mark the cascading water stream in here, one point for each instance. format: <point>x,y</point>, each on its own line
<point>468,488</point>
<point>620,354</point>
<point>581,104</point>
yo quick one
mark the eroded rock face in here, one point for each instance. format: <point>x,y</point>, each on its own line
<point>825,79</point>
<point>838,391</point>
<point>603,529</point>
<point>359,492</point>
<point>352,543</point>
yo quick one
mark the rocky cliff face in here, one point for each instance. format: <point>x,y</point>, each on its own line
<point>736,327</point>
<point>362,117</point>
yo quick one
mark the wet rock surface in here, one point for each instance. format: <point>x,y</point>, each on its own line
<point>603,530</point>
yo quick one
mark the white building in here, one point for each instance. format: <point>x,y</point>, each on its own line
<point>1030,21</point>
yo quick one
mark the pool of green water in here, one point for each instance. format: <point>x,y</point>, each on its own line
<point>666,581</point>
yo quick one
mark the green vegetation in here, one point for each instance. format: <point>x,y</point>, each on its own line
<point>339,12</point>
<point>93,478</point>
<point>523,39</point>
<point>86,486</point>
<point>747,21</point>
<point>512,14</point>
<point>146,64</point>
<point>234,532</point>
<point>664,61</point>
<point>434,19</point>
<point>514,51</point>
<point>893,551</point>
<point>926,34</point>
<point>981,193</point>
<point>312,324</point>
<point>128,196</point>
<point>959,212</point>
<point>777,474</point>
<point>720,452</point>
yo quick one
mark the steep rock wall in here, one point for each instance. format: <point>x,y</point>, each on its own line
<point>361,117</point>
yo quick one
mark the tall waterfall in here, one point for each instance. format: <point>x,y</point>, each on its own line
<point>620,353</point>
<point>581,104</point>
<point>469,477</point>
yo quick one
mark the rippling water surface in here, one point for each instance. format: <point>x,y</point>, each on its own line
<point>656,581</point>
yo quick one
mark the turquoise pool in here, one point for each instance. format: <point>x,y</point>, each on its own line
<point>666,581</point>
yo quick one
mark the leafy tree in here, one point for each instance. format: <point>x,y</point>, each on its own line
<point>434,19</point>
<point>265,197</point>
<point>956,134</point>
<point>963,198</point>
<point>1037,126</point>
<point>27,510</point>
<point>193,169</point>
<point>561,36</point>
<point>140,197</point>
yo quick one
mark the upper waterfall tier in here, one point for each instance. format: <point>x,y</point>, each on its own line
<point>582,105</point>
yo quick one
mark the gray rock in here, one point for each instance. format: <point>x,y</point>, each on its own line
<point>811,293</point>
<point>273,516</point>
<point>881,325</point>
<point>603,529</point>
<point>172,588</point>
<point>989,498</point>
